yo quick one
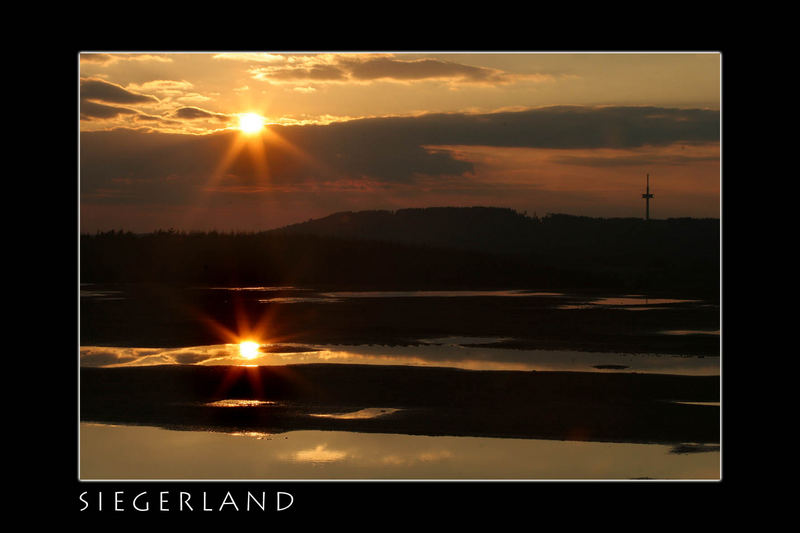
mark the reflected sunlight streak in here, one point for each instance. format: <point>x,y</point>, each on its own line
<point>249,349</point>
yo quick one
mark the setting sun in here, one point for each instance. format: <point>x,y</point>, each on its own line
<point>251,123</point>
<point>249,349</point>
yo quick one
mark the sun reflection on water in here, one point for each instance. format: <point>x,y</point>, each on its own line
<point>249,349</point>
<point>447,354</point>
<point>239,403</point>
<point>370,412</point>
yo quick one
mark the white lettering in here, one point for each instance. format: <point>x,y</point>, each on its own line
<point>254,501</point>
<point>146,505</point>
<point>291,501</point>
<point>263,503</point>
<point>226,502</point>
<point>187,501</point>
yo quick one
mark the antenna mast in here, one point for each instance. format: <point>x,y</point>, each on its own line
<point>647,197</point>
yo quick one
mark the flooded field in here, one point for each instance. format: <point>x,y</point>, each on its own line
<point>328,416</point>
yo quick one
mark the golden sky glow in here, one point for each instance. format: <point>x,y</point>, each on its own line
<point>251,141</point>
<point>319,88</point>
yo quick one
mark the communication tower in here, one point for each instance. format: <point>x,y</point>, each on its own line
<point>647,197</point>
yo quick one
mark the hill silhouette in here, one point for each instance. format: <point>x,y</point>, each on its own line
<point>493,229</point>
<point>485,229</point>
<point>444,247</point>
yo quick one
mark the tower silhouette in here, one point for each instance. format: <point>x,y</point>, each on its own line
<point>647,197</point>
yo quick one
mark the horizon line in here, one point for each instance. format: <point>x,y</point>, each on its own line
<point>522,213</point>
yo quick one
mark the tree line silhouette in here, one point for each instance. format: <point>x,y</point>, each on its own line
<point>424,248</point>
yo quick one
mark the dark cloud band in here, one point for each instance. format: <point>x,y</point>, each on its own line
<point>94,89</point>
<point>357,68</point>
<point>551,127</point>
<point>192,113</point>
<point>92,110</point>
<point>142,167</point>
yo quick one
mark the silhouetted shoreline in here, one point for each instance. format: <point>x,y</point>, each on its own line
<point>443,248</point>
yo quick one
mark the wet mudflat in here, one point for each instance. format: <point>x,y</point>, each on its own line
<point>148,315</point>
<point>422,401</point>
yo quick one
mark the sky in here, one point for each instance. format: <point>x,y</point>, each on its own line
<point>250,141</point>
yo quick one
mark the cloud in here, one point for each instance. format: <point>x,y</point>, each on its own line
<point>171,91</point>
<point>194,113</point>
<point>106,59</point>
<point>156,120</point>
<point>367,68</point>
<point>261,57</point>
<point>100,59</point>
<point>163,86</point>
<point>96,89</point>
<point>299,73</point>
<point>388,68</point>
<point>91,110</point>
<point>547,127</point>
<point>99,99</point>
<point>639,160</point>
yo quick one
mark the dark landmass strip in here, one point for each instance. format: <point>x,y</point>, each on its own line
<point>693,448</point>
<point>446,248</point>
<point>432,401</point>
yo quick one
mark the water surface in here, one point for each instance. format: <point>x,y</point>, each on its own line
<point>140,452</point>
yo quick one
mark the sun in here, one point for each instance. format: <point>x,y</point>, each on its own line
<point>251,123</point>
<point>249,349</point>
